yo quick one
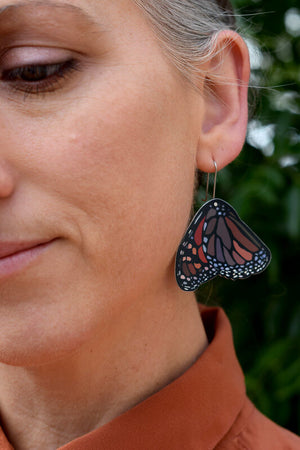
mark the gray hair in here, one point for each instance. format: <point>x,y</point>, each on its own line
<point>188,29</point>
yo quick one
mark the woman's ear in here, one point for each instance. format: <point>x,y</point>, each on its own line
<point>225,103</point>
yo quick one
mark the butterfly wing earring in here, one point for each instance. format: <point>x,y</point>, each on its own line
<point>218,242</point>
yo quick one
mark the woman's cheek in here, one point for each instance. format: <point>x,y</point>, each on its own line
<point>110,163</point>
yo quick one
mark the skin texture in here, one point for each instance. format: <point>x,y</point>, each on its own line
<point>102,162</point>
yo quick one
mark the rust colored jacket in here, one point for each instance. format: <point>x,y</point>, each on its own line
<point>205,408</point>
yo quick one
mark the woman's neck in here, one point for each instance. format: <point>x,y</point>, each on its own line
<point>46,407</point>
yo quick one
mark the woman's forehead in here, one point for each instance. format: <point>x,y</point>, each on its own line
<point>80,8</point>
<point>89,15</point>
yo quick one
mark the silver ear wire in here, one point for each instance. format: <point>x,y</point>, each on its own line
<point>215,183</point>
<point>215,179</point>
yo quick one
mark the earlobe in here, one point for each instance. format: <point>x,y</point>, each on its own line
<point>225,115</point>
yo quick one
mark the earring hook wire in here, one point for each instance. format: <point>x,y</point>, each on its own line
<point>215,182</point>
<point>215,179</point>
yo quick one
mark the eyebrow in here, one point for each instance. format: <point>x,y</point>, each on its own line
<point>76,10</point>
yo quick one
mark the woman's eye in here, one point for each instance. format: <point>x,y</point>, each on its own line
<point>37,78</point>
<point>32,73</point>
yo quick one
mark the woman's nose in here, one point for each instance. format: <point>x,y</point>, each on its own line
<point>7,180</point>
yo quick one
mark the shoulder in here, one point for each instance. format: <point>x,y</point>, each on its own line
<point>254,431</point>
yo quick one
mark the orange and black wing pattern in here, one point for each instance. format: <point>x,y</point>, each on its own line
<point>218,242</point>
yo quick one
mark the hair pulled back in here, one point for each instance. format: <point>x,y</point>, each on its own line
<point>188,28</point>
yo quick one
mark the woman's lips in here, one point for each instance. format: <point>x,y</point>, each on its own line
<point>10,248</point>
<point>15,256</point>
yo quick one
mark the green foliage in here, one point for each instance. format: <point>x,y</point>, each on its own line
<point>264,187</point>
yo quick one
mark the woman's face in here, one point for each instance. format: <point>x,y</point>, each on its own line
<point>97,155</point>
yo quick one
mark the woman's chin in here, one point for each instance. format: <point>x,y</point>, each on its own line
<point>35,343</point>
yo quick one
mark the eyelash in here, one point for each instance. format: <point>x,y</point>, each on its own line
<point>45,77</point>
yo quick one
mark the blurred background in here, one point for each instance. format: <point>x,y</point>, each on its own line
<point>263,185</point>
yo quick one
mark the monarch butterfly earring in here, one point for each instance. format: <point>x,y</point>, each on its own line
<point>218,242</point>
